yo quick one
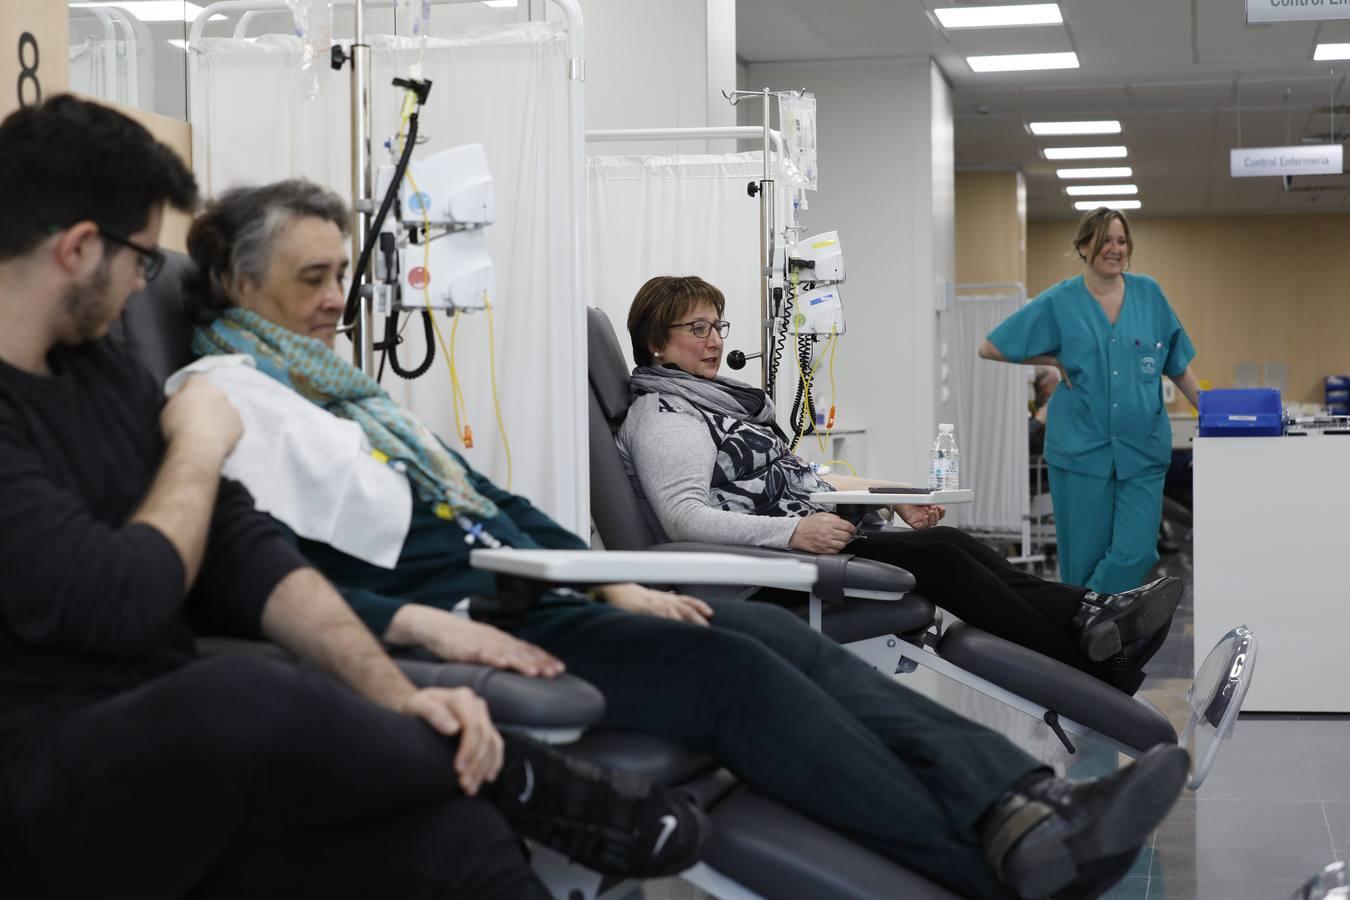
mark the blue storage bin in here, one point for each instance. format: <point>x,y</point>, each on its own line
<point>1241,412</point>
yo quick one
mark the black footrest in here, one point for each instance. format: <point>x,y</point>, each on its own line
<point>1050,683</point>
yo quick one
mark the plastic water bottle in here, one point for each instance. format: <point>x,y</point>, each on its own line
<point>944,470</point>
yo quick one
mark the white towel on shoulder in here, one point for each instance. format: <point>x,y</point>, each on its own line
<point>307,467</point>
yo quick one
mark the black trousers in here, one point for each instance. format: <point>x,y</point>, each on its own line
<point>802,720</point>
<point>970,579</point>
<point>246,777</point>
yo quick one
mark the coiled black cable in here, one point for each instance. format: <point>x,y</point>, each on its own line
<point>392,340</point>
<point>804,342</point>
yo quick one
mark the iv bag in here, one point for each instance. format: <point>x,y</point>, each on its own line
<point>314,27</point>
<point>797,122</point>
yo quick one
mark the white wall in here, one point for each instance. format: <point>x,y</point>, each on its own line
<point>659,64</point>
<point>887,186</point>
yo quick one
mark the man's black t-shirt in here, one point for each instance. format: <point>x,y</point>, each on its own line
<point>90,605</point>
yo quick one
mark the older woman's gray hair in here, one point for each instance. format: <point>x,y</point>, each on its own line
<point>234,237</point>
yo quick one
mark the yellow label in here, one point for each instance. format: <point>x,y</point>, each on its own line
<point>442,511</point>
<point>818,244</point>
<point>379,457</point>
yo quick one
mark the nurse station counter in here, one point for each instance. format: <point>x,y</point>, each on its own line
<point>1272,551</point>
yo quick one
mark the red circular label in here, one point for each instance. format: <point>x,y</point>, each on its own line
<point>419,277</point>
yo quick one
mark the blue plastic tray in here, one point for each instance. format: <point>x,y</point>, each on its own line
<point>1241,412</point>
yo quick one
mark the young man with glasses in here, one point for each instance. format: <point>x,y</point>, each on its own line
<point>128,766</point>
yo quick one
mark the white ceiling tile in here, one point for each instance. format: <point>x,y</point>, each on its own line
<point>1167,77</point>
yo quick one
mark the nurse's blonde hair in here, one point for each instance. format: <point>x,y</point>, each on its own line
<point>1092,230</point>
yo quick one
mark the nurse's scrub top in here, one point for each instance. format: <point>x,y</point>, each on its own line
<point>1113,417</point>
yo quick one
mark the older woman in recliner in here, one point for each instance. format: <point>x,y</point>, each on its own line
<point>711,462</point>
<point>791,713</point>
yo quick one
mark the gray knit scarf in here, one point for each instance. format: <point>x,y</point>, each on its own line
<point>724,396</point>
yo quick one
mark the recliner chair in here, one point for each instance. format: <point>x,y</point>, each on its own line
<point>757,848</point>
<point>906,631</point>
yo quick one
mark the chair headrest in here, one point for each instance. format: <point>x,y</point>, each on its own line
<point>156,324</point>
<point>608,371</point>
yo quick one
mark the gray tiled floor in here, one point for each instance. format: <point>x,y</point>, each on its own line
<point>1276,806</point>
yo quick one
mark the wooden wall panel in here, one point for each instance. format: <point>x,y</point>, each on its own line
<point>991,227</point>
<point>25,24</point>
<point>1258,289</point>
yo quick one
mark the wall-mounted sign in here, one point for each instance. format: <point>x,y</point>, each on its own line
<point>1296,10</point>
<point>1312,159</point>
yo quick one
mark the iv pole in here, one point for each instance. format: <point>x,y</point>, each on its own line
<point>362,333</point>
<point>768,211</point>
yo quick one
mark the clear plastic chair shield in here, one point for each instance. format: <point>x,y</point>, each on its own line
<point>1332,883</point>
<point>1216,696</point>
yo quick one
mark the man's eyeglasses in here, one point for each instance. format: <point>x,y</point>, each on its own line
<point>148,260</point>
<point>702,327</point>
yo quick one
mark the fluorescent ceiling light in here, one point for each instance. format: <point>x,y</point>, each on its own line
<point>500,4</point>
<point>1107,172</point>
<point>1105,190</point>
<point>1022,62</point>
<point>1107,126</point>
<point>1000,16</point>
<point>152,10</point>
<point>1332,51</point>
<point>1116,152</point>
<point>1087,205</point>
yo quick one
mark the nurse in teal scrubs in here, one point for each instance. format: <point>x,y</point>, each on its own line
<point>1108,440</point>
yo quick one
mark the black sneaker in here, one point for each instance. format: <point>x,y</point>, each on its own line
<point>1056,837</point>
<point>1106,622</point>
<point>611,822</point>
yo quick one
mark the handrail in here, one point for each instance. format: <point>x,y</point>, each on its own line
<point>251,8</point>
<point>710,133</point>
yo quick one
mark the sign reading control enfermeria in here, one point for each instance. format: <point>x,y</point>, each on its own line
<point>1297,10</point>
<point>1315,159</point>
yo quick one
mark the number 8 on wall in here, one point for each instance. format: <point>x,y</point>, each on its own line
<point>29,88</point>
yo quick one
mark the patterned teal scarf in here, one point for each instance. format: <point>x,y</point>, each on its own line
<point>308,367</point>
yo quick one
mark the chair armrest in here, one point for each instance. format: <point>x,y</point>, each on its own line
<point>862,578</point>
<point>523,576</point>
<point>554,709</point>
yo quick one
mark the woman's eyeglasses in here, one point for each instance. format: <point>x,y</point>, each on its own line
<point>702,327</point>
<point>148,260</point>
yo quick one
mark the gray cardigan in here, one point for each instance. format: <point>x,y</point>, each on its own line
<point>670,455</point>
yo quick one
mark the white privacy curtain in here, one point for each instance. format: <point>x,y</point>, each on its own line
<point>990,401</point>
<point>506,89</point>
<point>682,215</point>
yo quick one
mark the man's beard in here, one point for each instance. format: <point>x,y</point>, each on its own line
<point>89,306</point>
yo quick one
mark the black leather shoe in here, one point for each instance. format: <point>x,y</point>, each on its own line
<point>611,822</point>
<point>1106,622</point>
<point>1075,839</point>
<point>1129,662</point>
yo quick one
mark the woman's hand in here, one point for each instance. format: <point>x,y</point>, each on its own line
<point>457,639</point>
<point>917,517</point>
<point>821,533</point>
<point>645,601</point>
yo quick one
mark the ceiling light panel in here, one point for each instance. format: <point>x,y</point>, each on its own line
<point>1022,62</point>
<point>1104,172</point>
<point>1088,205</point>
<point>1115,152</point>
<point>1104,126</point>
<point>1000,16</point>
<point>1101,190</point>
<point>1332,51</point>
